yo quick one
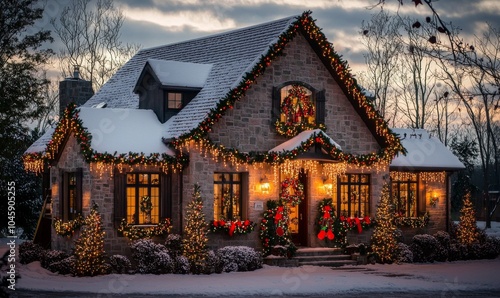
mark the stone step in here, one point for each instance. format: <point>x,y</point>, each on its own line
<point>330,263</point>
<point>318,251</point>
<point>322,258</point>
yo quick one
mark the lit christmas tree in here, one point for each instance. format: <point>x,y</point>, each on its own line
<point>89,247</point>
<point>194,242</point>
<point>467,229</point>
<point>383,239</point>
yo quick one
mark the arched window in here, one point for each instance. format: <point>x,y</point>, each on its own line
<point>297,107</point>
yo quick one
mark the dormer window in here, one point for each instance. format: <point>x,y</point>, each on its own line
<point>174,100</point>
<point>166,86</point>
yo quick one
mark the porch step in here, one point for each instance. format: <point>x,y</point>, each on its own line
<point>331,257</point>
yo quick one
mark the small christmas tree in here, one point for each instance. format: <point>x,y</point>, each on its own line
<point>89,247</point>
<point>383,239</point>
<point>194,242</point>
<point>467,229</point>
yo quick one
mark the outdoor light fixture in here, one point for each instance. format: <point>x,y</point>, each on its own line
<point>434,199</point>
<point>328,186</point>
<point>264,185</point>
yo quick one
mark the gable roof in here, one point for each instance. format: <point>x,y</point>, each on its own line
<point>424,153</point>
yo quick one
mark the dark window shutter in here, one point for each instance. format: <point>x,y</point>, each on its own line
<point>320,107</point>
<point>119,198</point>
<point>79,189</point>
<point>276,102</point>
<point>166,196</point>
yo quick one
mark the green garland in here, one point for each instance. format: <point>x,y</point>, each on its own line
<point>68,229</point>
<point>134,232</point>
<point>146,204</point>
<point>412,222</point>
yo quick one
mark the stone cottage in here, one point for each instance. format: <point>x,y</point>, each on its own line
<point>249,115</point>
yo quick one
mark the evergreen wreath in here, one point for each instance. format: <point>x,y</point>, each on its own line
<point>146,204</point>
<point>292,191</point>
<point>297,108</point>
<point>325,219</point>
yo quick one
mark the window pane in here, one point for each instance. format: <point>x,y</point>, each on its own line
<point>143,178</point>
<point>130,178</point>
<point>155,179</point>
<point>131,204</point>
<point>174,100</point>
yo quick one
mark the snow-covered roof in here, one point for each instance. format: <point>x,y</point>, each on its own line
<point>180,74</point>
<point>41,143</point>
<point>232,55</point>
<point>425,152</point>
<point>295,142</point>
<point>124,131</point>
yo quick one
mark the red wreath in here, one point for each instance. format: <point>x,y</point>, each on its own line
<point>297,107</point>
<point>292,191</point>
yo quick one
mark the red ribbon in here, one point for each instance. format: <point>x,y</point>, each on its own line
<point>231,229</point>
<point>358,223</point>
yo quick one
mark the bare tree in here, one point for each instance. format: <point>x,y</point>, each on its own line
<point>381,38</point>
<point>91,38</point>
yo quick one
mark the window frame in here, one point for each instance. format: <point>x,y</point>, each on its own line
<point>397,200</point>
<point>65,194</point>
<point>243,195</point>
<point>137,185</point>
<point>356,184</point>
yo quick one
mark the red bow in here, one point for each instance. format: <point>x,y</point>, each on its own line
<point>326,211</point>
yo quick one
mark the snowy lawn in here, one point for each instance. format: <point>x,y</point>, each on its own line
<point>446,278</point>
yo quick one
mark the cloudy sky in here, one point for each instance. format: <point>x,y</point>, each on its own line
<point>156,22</point>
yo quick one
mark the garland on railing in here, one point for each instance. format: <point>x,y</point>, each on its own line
<point>232,227</point>
<point>134,232</point>
<point>412,222</point>
<point>68,229</point>
<point>274,234</point>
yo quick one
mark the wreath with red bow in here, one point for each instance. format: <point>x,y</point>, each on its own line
<point>297,107</point>
<point>292,191</point>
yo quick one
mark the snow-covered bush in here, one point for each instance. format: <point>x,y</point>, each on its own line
<point>442,251</point>
<point>174,245</point>
<point>239,258</point>
<point>490,248</point>
<point>181,265</point>
<point>120,264</point>
<point>403,253</point>
<point>212,263</point>
<point>457,252</point>
<point>424,248</point>
<point>52,256</point>
<point>30,252</point>
<point>65,266</point>
<point>151,257</point>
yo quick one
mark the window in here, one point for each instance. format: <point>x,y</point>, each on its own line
<point>140,188</point>
<point>71,203</point>
<point>228,199</point>
<point>405,196</point>
<point>354,195</point>
<point>297,105</point>
<point>174,100</point>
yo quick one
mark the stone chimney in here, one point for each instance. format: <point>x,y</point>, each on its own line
<point>74,89</point>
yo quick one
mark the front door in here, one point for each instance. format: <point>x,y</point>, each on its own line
<point>298,216</point>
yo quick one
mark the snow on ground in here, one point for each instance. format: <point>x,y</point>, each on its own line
<point>447,278</point>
